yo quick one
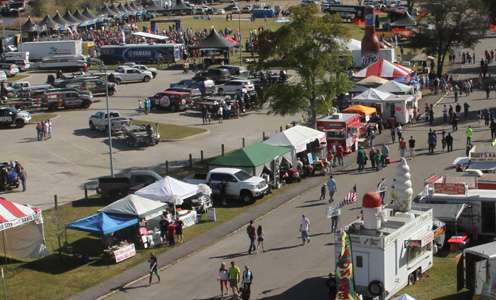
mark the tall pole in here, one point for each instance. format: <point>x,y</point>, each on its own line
<point>109,123</point>
<point>240,39</point>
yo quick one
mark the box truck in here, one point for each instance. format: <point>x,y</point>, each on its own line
<point>40,50</point>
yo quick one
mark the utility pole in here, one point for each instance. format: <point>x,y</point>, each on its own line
<point>109,123</point>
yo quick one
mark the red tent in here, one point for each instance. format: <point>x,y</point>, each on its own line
<point>385,69</point>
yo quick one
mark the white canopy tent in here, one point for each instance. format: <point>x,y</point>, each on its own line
<point>297,137</point>
<point>397,88</point>
<point>151,36</point>
<point>22,231</point>
<point>135,205</point>
<point>169,190</point>
<point>388,105</point>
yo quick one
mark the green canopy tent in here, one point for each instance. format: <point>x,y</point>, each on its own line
<point>253,158</point>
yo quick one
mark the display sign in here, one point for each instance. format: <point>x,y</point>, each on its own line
<point>124,253</point>
<point>374,242</point>
<point>450,188</point>
<point>482,156</point>
<point>211,216</point>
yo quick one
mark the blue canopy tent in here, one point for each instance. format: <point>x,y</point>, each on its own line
<point>102,223</point>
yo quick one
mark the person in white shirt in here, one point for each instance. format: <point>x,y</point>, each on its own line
<point>304,229</point>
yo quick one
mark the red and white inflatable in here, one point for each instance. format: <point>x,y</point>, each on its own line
<point>385,69</point>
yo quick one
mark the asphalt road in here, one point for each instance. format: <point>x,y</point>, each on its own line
<point>76,155</point>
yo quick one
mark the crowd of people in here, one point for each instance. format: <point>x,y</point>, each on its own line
<point>44,130</point>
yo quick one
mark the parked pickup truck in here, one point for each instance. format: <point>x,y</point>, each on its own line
<point>99,121</point>
<point>12,117</point>
<point>24,88</point>
<point>122,185</point>
<point>127,74</point>
<point>239,184</point>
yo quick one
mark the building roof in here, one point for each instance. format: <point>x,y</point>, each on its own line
<point>485,250</point>
<point>445,212</point>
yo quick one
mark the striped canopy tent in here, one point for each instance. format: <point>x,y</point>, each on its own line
<point>385,69</point>
<point>22,231</point>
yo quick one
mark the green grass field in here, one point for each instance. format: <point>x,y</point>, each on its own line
<point>171,131</point>
<point>42,117</point>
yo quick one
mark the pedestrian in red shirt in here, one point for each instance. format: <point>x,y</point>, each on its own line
<point>171,233</point>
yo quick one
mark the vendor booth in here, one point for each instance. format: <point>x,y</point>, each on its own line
<point>341,129</point>
<point>297,137</point>
<point>105,225</point>
<point>22,231</point>
<point>254,158</point>
<point>173,192</point>
<point>137,206</point>
<point>366,112</point>
<point>372,81</point>
<point>396,88</point>
<point>392,107</point>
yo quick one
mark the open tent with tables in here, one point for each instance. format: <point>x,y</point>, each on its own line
<point>137,206</point>
<point>254,158</point>
<point>103,224</point>
<point>22,233</point>
<point>385,69</point>
<point>297,137</point>
<point>48,24</point>
<point>214,48</point>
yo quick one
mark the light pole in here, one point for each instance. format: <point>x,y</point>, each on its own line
<point>109,122</point>
<point>240,39</point>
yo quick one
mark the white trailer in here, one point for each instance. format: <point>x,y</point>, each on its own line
<point>387,259</point>
<point>42,49</point>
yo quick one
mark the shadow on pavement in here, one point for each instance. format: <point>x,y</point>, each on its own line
<point>232,255</point>
<point>283,248</point>
<point>125,289</point>
<point>88,133</point>
<point>310,205</point>
<point>310,288</point>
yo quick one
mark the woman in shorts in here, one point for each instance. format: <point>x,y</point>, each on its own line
<point>223,277</point>
<point>260,238</point>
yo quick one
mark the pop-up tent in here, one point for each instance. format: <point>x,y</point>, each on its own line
<point>397,88</point>
<point>372,96</point>
<point>214,41</point>
<point>103,224</point>
<point>169,190</point>
<point>360,109</point>
<point>372,81</point>
<point>297,137</point>
<point>134,205</point>
<point>22,231</point>
<point>385,69</point>
<point>253,158</point>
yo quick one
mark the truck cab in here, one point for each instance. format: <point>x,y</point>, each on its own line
<point>99,121</point>
<point>128,74</point>
<point>66,98</point>
<point>13,117</point>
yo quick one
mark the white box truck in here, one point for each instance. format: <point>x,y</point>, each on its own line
<point>40,50</point>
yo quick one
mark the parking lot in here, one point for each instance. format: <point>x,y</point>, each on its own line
<point>76,155</point>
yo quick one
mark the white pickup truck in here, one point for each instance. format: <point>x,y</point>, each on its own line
<point>128,74</point>
<point>239,184</point>
<point>99,121</point>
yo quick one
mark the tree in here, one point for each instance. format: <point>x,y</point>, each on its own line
<point>491,8</point>
<point>312,47</point>
<point>450,23</point>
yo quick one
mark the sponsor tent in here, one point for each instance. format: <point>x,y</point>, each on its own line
<point>22,231</point>
<point>297,137</point>
<point>169,190</point>
<point>134,205</point>
<point>372,96</point>
<point>385,69</point>
<point>253,158</point>
<point>214,41</point>
<point>103,224</point>
<point>29,26</point>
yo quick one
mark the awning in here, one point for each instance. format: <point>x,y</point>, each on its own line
<point>445,212</point>
<point>170,190</point>
<point>151,36</point>
<point>102,223</point>
<point>361,109</point>
<point>134,205</point>
<point>14,214</point>
<point>297,137</point>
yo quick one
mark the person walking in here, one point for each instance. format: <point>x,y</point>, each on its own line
<point>223,277</point>
<point>381,189</point>
<point>331,187</point>
<point>469,132</point>
<point>493,129</point>
<point>393,135</point>
<point>153,268</point>
<point>449,142</point>
<point>466,108</point>
<point>372,157</point>
<point>304,229</point>
<point>21,172</point>
<point>50,128</point>
<point>39,131</point>
<point>411,146</point>
<point>431,141</point>
<point>335,219</point>
<point>179,230</point>
<point>171,233</point>
<point>402,147</point>
<point>323,192</point>
<point>204,114</point>
<point>252,235</point>
<point>443,140</point>
<point>361,158</point>
<point>247,280</point>
<point>339,155</point>
<point>454,123</point>
<point>220,113</point>
<point>234,274</point>
<point>260,238</point>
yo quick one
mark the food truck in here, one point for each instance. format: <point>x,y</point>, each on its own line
<point>341,129</point>
<point>392,246</point>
